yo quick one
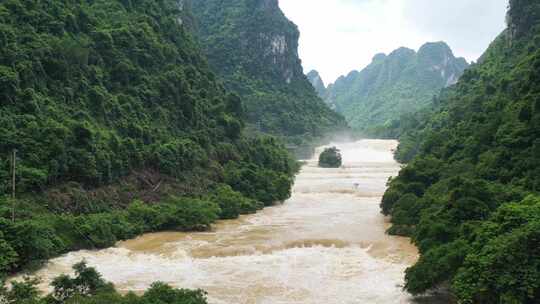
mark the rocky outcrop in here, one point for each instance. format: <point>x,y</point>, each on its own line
<point>317,83</point>
<point>438,58</point>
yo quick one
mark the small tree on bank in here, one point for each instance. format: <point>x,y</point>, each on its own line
<point>330,158</point>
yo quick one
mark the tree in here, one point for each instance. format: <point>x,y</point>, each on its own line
<point>330,158</point>
<point>21,292</point>
<point>8,256</point>
<point>87,282</point>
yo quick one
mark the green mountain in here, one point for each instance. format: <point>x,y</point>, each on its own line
<point>317,83</point>
<point>253,48</point>
<point>470,195</point>
<point>108,102</point>
<point>402,82</point>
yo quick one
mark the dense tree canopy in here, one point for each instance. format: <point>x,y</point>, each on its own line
<point>95,89</point>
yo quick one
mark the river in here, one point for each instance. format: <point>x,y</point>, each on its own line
<point>326,244</point>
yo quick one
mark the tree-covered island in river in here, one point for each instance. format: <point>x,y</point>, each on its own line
<point>330,158</point>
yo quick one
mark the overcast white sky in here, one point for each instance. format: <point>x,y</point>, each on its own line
<point>338,36</point>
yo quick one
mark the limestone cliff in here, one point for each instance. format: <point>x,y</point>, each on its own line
<point>253,48</point>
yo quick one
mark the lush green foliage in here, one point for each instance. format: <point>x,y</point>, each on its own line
<point>330,158</point>
<point>504,256</point>
<point>265,174</point>
<point>45,236</point>
<point>253,48</point>
<point>469,196</point>
<point>96,89</point>
<point>111,102</point>
<point>401,83</point>
<point>232,203</point>
<point>88,287</point>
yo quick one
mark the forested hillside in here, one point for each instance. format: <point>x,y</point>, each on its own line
<point>393,85</point>
<point>119,128</point>
<point>469,196</point>
<point>253,48</point>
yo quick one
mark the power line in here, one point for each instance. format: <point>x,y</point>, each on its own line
<point>13,184</point>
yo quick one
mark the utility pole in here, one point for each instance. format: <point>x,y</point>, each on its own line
<point>13,169</point>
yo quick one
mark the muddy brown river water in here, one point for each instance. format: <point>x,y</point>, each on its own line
<point>326,244</point>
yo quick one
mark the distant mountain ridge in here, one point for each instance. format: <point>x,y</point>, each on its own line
<point>401,82</point>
